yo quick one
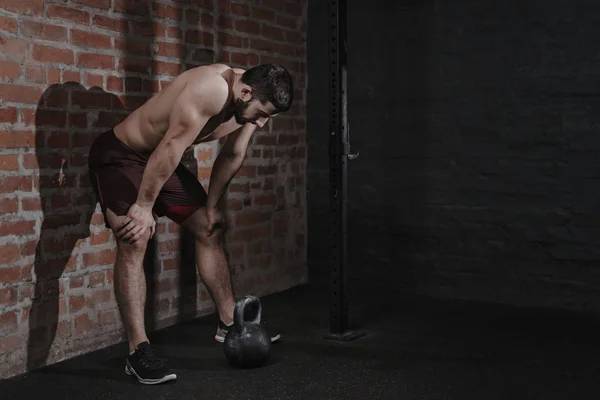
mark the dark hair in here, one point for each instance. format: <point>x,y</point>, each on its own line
<point>271,82</point>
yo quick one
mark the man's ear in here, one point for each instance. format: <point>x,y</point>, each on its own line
<point>246,94</point>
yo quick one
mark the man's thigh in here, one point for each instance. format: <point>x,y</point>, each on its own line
<point>181,196</point>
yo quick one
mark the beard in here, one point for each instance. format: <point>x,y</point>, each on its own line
<point>238,110</point>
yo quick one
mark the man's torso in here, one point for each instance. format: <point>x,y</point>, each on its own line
<point>146,126</point>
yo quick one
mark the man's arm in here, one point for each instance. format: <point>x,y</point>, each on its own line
<point>192,109</point>
<point>228,163</point>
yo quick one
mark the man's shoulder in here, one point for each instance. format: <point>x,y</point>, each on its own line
<point>206,88</point>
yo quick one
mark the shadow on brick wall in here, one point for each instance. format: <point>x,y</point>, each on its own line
<point>67,119</point>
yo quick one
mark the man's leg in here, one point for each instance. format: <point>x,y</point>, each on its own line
<point>130,283</point>
<point>130,291</point>
<point>182,200</point>
<point>212,264</point>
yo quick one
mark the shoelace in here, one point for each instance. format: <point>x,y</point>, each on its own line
<point>149,359</point>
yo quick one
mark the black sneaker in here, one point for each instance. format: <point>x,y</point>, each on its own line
<point>147,367</point>
<point>222,330</point>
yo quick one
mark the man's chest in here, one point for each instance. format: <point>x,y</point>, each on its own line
<point>217,127</point>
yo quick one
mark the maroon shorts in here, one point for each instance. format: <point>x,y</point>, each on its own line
<point>116,173</point>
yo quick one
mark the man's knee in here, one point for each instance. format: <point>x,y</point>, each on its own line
<point>115,222</point>
<point>197,224</point>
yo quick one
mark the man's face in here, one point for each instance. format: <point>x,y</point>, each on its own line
<point>253,112</point>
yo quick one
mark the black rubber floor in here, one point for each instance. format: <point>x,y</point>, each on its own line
<point>415,348</point>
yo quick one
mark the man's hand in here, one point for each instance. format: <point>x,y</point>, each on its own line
<point>214,218</point>
<point>139,218</point>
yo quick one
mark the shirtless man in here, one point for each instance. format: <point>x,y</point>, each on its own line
<point>136,171</point>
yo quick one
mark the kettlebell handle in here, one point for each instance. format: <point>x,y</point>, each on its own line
<point>240,311</point>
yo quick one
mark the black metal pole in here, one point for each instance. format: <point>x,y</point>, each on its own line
<point>339,149</point>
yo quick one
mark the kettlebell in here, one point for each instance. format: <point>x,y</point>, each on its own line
<point>247,344</point>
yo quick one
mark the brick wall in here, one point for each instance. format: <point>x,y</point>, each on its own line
<point>478,139</point>
<point>72,69</point>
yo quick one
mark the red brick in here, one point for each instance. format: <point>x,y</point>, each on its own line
<point>262,14</point>
<point>35,73</point>
<point>68,13</point>
<point>71,76</point>
<point>165,11</point>
<point>76,303</point>
<point>170,264</point>
<point>274,4</point>
<point>284,49</point>
<point>165,68</point>
<point>9,206</point>
<point>8,296</point>
<point>19,93</point>
<point>293,8</point>
<point>250,233</point>
<point>9,162</point>
<point>225,22</point>
<point>31,204</point>
<point>44,31</point>
<point>101,4</point>
<point>141,8</point>
<point>261,45</point>
<point>293,37</point>
<point>207,20</point>
<point>95,80</point>
<point>247,26</point>
<point>76,283</point>
<point>205,155</point>
<point>199,37</point>
<point>8,322</point>
<point>174,32</point>
<point>8,254</point>
<point>15,274</point>
<point>134,65</point>
<point>244,58</point>
<point>234,204</point>
<point>225,6</point>
<point>104,257</point>
<point>100,238</point>
<point>87,39</point>
<point>17,228</point>
<point>27,7</point>
<point>8,114</point>
<point>114,84</point>
<point>235,252</point>
<point>247,171</point>
<point>9,184</point>
<point>230,40</point>
<point>96,61</point>
<point>133,46</point>
<point>53,55</point>
<point>239,188</point>
<point>8,24</point>
<point>265,199</point>
<point>107,317</point>
<point>240,9</point>
<point>83,323</point>
<point>58,140</point>
<point>119,25</point>
<point>287,22</point>
<point>168,246</point>
<point>97,278</point>
<point>15,47</point>
<point>148,29</point>
<point>171,50</point>
<point>252,217</point>
<point>272,32</point>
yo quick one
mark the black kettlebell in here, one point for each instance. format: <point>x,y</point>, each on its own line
<point>247,344</point>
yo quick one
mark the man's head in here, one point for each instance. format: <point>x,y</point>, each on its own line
<point>265,90</point>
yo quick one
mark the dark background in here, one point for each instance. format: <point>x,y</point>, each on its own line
<point>477,126</point>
